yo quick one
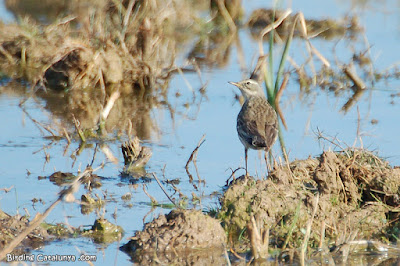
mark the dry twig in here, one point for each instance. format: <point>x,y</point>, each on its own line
<point>163,189</point>
<point>66,195</point>
<point>351,74</point>
<point>308,232</point>
<point>277,98</point>
<point>193,157</point>
<point>259,238</point>
<point>271,27</point>
<point>225,14</point>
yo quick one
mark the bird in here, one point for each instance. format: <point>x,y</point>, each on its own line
<point>257,121</point>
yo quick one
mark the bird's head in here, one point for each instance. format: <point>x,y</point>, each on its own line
<point>249,88</point>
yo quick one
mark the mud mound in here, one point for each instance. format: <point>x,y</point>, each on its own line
<point>182,235</point>
<point>358,193</point>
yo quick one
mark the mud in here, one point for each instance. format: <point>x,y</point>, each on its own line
<point>180,236</point>
<point>358,194</point>
<point>353,194</point>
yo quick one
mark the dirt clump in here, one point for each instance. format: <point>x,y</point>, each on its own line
<point>182,235</point>
<point>357,196</point>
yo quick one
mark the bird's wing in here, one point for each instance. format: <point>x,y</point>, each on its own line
<point>258,125</point>
<point>248,132</point>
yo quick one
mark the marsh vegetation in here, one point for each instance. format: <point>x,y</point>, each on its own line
<point>104,77</point>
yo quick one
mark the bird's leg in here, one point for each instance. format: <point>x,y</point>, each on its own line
<point>245,158</point>
<point>267,163</point>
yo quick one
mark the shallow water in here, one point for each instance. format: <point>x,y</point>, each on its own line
<point>22,143</point>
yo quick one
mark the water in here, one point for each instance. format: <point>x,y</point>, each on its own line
<point>23,148</point>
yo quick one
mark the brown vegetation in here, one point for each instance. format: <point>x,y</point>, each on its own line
<point>85,59</point>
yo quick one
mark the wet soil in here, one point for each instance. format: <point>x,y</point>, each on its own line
<point>181,236</point>
<point>357,196</point>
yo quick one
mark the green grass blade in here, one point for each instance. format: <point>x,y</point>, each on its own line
<point>284,57</point>
<point>270,68</point>
<point>271,59</point>
<point>269,89</point>
<point>292,226</point>
<point>281,140</point>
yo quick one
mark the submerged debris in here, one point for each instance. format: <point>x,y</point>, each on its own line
<point>179,236</point>
<point>64,178</point>
<point>88,203</point>
<point>104,231</point>
<point>135,155</point>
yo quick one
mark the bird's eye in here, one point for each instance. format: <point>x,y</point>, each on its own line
<point>248,82</point>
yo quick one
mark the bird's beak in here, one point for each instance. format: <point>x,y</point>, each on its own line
<point>234,83</point>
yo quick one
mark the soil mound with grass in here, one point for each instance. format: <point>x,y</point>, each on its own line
<point>181,236</point>
<point>345,196</point>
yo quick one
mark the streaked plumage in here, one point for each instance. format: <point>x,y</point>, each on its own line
<point>257,122</point>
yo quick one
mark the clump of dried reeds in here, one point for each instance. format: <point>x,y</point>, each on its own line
<point>107,48</point>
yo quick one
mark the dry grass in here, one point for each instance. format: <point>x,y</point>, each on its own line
<point>105,63</point>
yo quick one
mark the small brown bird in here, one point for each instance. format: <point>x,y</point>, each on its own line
<point>257,122</point>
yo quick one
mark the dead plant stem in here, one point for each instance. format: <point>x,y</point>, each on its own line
<point>271,27</point>
<point>351,74</point>
<point>165,192</point>
<point>78,128</point>
<point>308,232</point>
<point>153,200</point>
<point>63,195</point>
<point>193,157</point>
<point>227,17</point>
<point>277,98</point>
<point>228,261</point>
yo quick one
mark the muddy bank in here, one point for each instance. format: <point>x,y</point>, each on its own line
<point>181,236</point>
<point>344,196</point>
<point>332,205</point>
